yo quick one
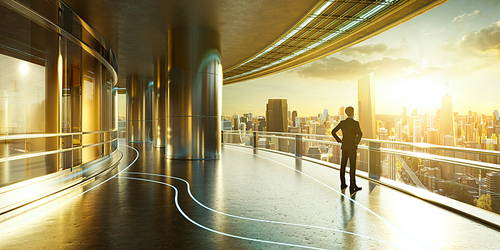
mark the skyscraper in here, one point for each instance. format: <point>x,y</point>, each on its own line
<point>236,122</point>
<point>341,113</point>
<point>432,136</point>
<point>493,185</point>
<point>366,106</point>
<point>399,131</point>
<point>469,136</point>
<point>403,115</point>
<point>446,120</point>
<point>294,115</point>
<point>417,131</point>
<point>277,115</point>
<point>325,116</point>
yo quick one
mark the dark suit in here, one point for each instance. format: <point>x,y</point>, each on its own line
<point>351,136</point>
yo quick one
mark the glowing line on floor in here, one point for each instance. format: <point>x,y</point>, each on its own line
<point>213,230</point>
<point>259,220</point>
<point>348,197</point>
<point>55,206</point>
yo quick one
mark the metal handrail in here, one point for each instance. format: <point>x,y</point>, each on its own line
<point>426,156</point>
<point>35,136</point>
<point>31,155</point>
<point>364,140</point>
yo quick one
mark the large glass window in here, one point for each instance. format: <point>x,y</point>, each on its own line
<point>22,96</point>
<point>55,94</point>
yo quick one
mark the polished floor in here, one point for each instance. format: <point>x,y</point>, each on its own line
<point>242,201</point>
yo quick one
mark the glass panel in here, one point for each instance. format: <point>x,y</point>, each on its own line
<point>106,107</point>
<point>122,114</point>
<point>20,170</point>
<point>90,106</point>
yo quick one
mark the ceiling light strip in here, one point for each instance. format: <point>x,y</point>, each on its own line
<point>322,41</point>
<point>288,36</point>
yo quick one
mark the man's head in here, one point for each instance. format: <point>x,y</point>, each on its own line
<point>349,111</point>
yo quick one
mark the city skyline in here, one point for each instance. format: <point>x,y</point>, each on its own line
<point>453,48</point>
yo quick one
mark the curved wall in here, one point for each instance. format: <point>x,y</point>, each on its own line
<point>57,98</point>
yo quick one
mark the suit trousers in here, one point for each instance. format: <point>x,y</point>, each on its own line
<point>351,155</point>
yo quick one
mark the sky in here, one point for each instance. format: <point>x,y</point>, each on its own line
<point>456,44</point>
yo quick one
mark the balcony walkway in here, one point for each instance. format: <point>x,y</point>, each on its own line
<point>242,201</point>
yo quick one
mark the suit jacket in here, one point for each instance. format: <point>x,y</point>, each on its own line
<point>351,133</point>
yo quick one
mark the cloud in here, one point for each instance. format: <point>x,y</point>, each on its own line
<point>369,49</point>
<point>332,68</point>
<point>487,39</point>
<point>466,16</point>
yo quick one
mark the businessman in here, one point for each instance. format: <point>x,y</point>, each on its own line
<point>351,136</point>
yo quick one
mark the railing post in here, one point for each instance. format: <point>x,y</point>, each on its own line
<point>374,164</point>
<point>255,142</point>
<point>298,145</point>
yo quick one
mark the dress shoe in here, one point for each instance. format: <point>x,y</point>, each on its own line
<point>342,187</point>
<point>355,189</point>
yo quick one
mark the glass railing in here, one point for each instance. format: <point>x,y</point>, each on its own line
<point>28,156</point>
<point>471,176</point>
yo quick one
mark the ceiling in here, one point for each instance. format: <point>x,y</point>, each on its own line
<point>136,30</point>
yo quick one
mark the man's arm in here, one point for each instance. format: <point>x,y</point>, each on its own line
<point>359,134</point>
<point>334,133</point>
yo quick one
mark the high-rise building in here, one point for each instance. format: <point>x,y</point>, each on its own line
<point>482,128</point>
<point>493,185</point>
<point>432,122</point>
<point>366,106</point>
<point>236,122</point>
<point>325,116</point>
<point>312,128</point>
<point>227,125</point>
<point>403,116</point>
<point>243,126</point>
<point>426,120</point>
<point>446,120</point>
<point>432,136</point>
<point>244,119</point>
<point>398,131</point>
<point>294,116</point>
<point>410,124</point>
<point>342,114</point>
<point>417,131</point>
<point>276,115</point>
<point>382,134</point>
<point>321,130</point>
<point>491,144</point>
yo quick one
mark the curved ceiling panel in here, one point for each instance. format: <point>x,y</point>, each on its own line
<point>329,27</point>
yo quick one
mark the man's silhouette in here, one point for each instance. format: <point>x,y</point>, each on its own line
<point>351,136</point>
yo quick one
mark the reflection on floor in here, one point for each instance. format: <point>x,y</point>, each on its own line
<point>242,201</point>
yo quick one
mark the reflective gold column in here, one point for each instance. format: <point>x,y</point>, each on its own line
<point>194,94</point>
<point>159,112</point>
<point>139,107</point>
